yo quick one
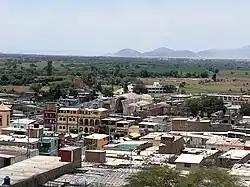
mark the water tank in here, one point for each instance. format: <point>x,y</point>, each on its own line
<point>6,180</point>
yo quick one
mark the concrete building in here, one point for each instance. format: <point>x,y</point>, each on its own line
<point>48,146</point>
<point>96,141</point>
<point>241,172</point>
<point>231,157</point>
<point>36,171</point>
<point>156,87</point>
<point>50,116</point>
<point>96,156</point>
<point>4,116</point>
<point>224,144</point>
<point>195,158</point>
<point>163,121</point>
<point>146,127</point>
<point>23,123</point>
<point>191,124</point>
<point>80,119</point>
<point>12,154</point>
<point>171,144</point>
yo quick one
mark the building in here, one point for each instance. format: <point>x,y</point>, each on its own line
<point>156,87</point>
<point>48,146</point>
<point>122,127</point>
<point>241,172</point>
<point>4,116</point>
<point>96,141</point>
<point>23,123</point>
<point>191,124</point>
<point>146,127</point>
<point>36,171</point>
<point>50,116</point>
<point>171,144</point>
<point>225,144</point>
<point>195,158</point>
<point>231,157</point>
<point>163,121</point>
<point>13,154</point>
<point>80,119</point>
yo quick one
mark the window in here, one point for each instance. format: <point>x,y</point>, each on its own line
<point>60,119</point>
<point>63,127</point>
<point>60,127</point>
<point>64,119</point>
<point>73,119</point>
<point>70,119</point>
<point>187,165</point>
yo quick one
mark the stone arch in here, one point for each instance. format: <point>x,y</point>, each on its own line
<point>86,121</point>
<point>97,122</point>
<point>118,105</point>
<point>86,130</point>
<point>92,122</point>
<point>91,130</point>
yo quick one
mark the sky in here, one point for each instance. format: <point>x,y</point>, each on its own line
<point>97,27</point>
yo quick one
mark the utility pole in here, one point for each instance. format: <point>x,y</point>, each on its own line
<point>28,141</point>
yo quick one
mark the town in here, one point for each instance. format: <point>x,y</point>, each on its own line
<point>103,142</point>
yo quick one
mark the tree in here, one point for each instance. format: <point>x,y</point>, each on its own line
<point>214,77</point>
<point>108,91</point>
<point>49,68</point>
<point>206,105</point>
<point>35,87</point>
<point>125,87</point>
<point>245,110</point>
<point>193,106</point>
<point>163,176</point>
<point>169,88</point>
<point>156,176</point>
<point>140,88</point>
<point>182,84</point>
<point>210,177</point>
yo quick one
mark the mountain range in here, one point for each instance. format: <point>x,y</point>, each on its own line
<point>236,53</point>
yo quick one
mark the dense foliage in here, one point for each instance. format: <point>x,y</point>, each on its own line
<point>164,176</point>
<point>204,105</point>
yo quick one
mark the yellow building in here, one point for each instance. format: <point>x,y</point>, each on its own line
<point>81,119</point>
<point>4,116</point>
<point>96,141</point>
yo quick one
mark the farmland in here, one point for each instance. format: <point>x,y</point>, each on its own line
<point>19,72</point>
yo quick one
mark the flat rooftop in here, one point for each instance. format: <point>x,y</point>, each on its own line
<point>29,168</point>
<point>235,154</point>
<point>97,136</point>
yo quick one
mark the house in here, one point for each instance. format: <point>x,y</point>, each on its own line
<point>146,127</point>
<point>193,158</point>
<point>96,141</point>
<point>191,124</point>
<point>4,116</point>
<point>171,144</point>
<point>241,172</point>
<point>231,157</point>
<point>224,144</point>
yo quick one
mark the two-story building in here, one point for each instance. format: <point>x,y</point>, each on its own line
<point>80,119</point>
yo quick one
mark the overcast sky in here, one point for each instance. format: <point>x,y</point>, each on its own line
<point>96,27</point>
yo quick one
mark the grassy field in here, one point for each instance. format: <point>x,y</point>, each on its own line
<point>20,89</point>
<point>193,85</point>
<point>234,74</point>
<point>184,70</point>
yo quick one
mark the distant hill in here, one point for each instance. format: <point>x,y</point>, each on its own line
<point>243,52</point>
<point>126,53</point>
